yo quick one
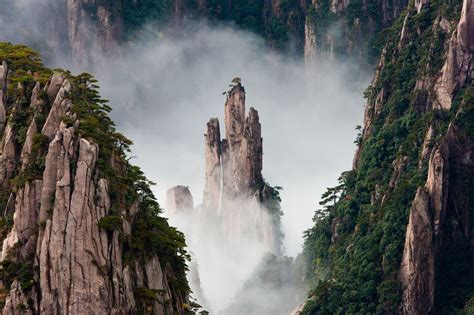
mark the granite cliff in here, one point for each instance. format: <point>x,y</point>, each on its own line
<point>401,218</point>
<point>81,229</point>
<point>328,29</point>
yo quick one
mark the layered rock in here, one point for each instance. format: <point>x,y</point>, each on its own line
<point>439,231</point>
<point>238,222</point>
<point>439,222</point>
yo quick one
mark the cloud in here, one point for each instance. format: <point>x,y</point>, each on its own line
<point>163,91</point>
<point>167,90</point>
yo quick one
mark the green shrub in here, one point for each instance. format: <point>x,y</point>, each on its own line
<point>111,223</point>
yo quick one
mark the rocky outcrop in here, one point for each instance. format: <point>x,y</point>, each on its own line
<point>94,24</point>
<point>179,200</point>
<point>214,170</point>
<point>233,164</point>
<point>417,269</point>
<point>69,236</point>
<point>310,42</point>
<point>419,4</point>
<point>3,76</point>
<point>241,151</point>
<point>410,123</point>
<point>338,6</point>
<point>8,156</point>
<point>54,86</point>
<point>458,65</point>
<point>61,105</point>
<point>439,222</point>
<point>234,190</point>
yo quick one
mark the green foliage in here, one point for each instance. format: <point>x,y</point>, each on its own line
<point>128,186</point>
<point>21,271</point>
<point>111,223</point>
<point>153,17</point>
<point>130,191</point>
<point>469,307</point>
<point>271,200</point>
<point>466,116</point>
<point>26,69</point>
<point>136,14</point>
<point>146,294</point>
<point>277,33</point>
<point>354,248</point>
<point>6,223</point>
<point>22,59</point>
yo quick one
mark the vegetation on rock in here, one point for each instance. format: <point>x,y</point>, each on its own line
<point>356,244</point>
<point>131,197</point>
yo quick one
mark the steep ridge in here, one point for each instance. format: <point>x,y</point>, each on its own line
<point>81,229</point>
<point>326,29</point>
<point>396,235</point>
<point>235,234</point>
<point>234,182</point>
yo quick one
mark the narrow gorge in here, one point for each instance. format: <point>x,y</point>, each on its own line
<point>379,224</point>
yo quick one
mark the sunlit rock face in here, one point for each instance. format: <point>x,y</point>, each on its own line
<point>233,164</point>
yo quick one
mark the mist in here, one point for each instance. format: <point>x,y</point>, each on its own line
<point>163,90</point>
<point>170,88</point>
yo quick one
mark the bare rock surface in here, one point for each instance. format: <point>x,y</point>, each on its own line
<point>74,265</point>
<point>458,65</point>
<point>179,199</point>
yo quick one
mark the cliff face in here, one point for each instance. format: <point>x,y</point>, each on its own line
<point>65,30</point>
<point>402,215</point>
<point>325,29</point>
<point>234,179</point>
<point>318,29</point>
<point>346,28</point>
<point>81,229</point>
<point>179,199</point>
<point>237,224</point>
<point>93,24</point>
<point>439,228</point>
<point>233,164</point>
<point>281,23</point>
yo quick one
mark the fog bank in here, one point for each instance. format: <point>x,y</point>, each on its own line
<point>169,88</point>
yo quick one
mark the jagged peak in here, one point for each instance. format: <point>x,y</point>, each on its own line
<point>71,192</point>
